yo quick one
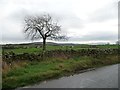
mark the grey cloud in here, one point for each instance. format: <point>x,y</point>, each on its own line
<point>96,37</point>
<point>108,12</point>
<point>18,15</point>
<point>59,9</point>
<point>66,19</point>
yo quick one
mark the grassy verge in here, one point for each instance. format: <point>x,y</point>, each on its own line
<point>34,72</point>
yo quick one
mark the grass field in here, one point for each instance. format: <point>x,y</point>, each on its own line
<point>21,73</point>
<point>51,47</point>
<point>33,72</point>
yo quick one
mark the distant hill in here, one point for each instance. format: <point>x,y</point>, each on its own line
<point>51,43</point>
<point>39,43</point>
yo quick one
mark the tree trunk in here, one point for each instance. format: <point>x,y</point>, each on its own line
<point>44,44</point>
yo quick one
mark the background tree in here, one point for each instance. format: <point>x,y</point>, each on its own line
<point>44,27</point>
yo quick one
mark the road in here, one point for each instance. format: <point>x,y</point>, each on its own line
<point>104,77</point>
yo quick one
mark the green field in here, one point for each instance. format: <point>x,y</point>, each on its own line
<point>33,72</point>
<point>58,62</point>
<point>51,47</point>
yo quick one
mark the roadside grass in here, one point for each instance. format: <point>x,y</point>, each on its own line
<point>35,71</point>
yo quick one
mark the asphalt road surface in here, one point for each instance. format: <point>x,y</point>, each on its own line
<point>104,77</point>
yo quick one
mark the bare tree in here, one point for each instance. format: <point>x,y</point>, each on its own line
<point>44,27</point>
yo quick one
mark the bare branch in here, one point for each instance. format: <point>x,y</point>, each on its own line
<point>42,26</point>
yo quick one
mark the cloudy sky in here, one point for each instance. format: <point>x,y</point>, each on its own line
<point>84,21</point>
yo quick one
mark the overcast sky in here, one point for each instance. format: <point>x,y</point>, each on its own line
<point>84,21</point>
